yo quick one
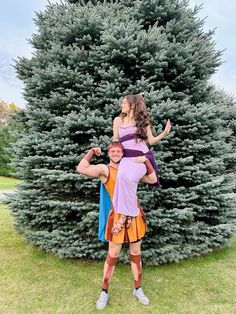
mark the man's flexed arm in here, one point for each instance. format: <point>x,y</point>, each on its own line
<point>86,169</point>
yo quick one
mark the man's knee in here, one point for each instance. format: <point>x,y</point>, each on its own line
<point>114,254</point>
<point>135,251</point>
<point>135,248</point>
<point>114,250</point>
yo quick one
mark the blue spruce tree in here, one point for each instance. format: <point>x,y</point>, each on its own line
<point>87,54</point>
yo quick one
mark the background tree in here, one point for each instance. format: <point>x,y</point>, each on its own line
<point>89,54</point>
<point>8,135</point>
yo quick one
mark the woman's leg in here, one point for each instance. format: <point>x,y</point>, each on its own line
<point>110,263</point>
<point>128,176</point>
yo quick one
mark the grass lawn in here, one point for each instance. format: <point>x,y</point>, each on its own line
<point>32,281</point>
<point>7,183</point>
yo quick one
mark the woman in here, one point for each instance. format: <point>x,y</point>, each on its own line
<point>133,129</point>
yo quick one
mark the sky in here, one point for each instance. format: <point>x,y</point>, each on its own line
<point>17,26</point>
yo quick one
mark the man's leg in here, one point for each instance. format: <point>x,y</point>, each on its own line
<point>136,266</point>
<point>110,263</point>
<point>109,267</point>
<point>136,262</point>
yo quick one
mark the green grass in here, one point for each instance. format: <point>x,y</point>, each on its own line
<point>7,183</point>
<point>33,281</point>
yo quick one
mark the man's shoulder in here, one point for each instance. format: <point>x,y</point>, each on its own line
<point>103,168</point>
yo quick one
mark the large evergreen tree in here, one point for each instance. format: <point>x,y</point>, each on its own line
<point>89,54</point>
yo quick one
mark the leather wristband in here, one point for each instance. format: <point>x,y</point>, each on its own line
<point>89,155</point>
<point>148,166</point>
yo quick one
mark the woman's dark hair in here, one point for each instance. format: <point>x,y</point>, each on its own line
<point>141,116</point>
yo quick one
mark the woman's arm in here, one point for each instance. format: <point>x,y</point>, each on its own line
<point>116,123</point>
<point>152,140</point>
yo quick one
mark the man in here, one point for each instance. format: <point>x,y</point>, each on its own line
<point>132,233</point>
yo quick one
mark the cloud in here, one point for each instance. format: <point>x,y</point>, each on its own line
<point>16,27</point>
<point>225,78</point>
<point>12,94</point>
<point>10,86</point>
<point>221,15</point>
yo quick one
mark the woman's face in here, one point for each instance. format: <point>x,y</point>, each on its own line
<point>125,106</point>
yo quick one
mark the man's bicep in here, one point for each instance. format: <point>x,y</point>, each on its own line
<point>93,171</point>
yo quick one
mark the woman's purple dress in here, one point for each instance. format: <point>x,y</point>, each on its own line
<point>129,174</point>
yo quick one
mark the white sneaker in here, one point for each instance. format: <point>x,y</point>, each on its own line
<point>102,301</point>
<point>139,294</point>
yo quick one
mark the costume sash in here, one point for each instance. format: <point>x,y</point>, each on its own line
<point>104,208</point>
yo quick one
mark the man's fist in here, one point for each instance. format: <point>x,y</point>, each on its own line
<point>97,151</point>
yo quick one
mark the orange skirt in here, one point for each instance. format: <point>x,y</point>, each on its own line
<point>135,232</point>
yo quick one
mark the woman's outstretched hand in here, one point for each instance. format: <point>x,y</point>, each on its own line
<point>167,127</point>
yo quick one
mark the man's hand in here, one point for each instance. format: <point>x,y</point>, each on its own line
<point>140,159</point>
<point>97,151</point>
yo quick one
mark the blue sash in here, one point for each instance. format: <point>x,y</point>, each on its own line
<point>104,209</point>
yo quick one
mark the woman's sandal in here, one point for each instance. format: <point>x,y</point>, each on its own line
<point>119,225</point>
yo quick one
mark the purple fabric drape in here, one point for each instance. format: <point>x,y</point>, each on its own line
<point>136,153</point>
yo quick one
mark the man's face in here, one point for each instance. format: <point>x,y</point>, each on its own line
<point>115,154</point>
